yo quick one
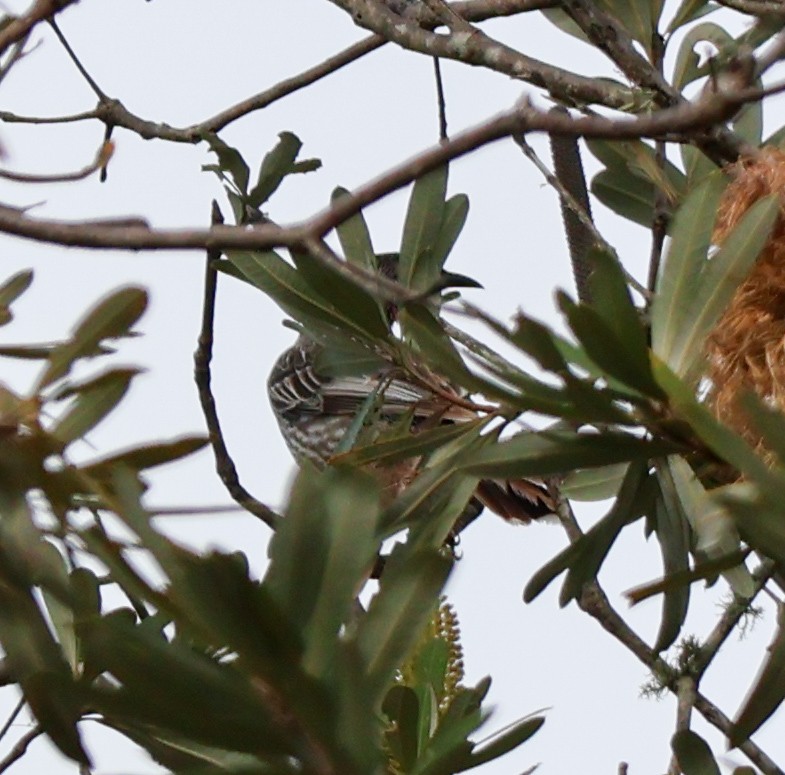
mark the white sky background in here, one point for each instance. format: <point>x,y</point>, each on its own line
<point>180,61</point>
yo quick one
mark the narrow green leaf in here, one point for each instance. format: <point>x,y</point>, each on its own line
<point>715,533</point>
<point>767,693</point>
<point>355,238</point>
<point>551,452</point>
<point>11,290</point>
<point>353,301</point>
<point>420,443</point>
<point>504,741</point>
<point>693,754</point>
<point>276,165</point>
<point>422,227</point>
<point>593,484</point>
<point>94,401</point>
<point>147,456</point>
<point>109,319</point>
<point>321,554</point>
<point>287,288</point>
<point>594,546</point>
<point>230,160</point>
<point>748,122</point>
<point>686,69</point>
<point>625,194</point>
<point>678,283</point>
<point>671,527</point>
<point>456,210</point>
<point>408,592</point>
<point>719,278</point>
<point>688,11</point>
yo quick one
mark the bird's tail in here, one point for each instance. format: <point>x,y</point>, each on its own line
<point>516,500</point>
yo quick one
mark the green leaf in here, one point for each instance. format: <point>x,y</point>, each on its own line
<point>610,330</point>
<point>422,326</point>
<point>94,401</point>
<point>147,456</point>
<point>748,122</point>
<point>715,533</point>
<point>697,165</point>
<point>688,11</point>
<point>671,527</point>
<point>456,210</point>
<point>504,741</point>
<point>767,692</point>
<point>11,290</point>
<point>355,238</point>
<point>354,302</point>
<point>408,591</point>
<point>718,279</point>
<point>321,554</point>
<point>402,708</point>
<point>109,319</point>
<point>410,446</point>
<point>229,160</point>
<point>593,484</point>
<point>678,283</point>
<point>289,289</point>
<point>625,194</point>
<point>276,165</point>
<point>422,229</point>
<point>551,452</point>
<point>693,754</point>
<point>686,69</point>
<point>639,19</point>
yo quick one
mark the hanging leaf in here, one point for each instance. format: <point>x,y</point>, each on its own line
<point>693,754</point>
<point>276,165</point>
<point>767,693</point>
<point>229,160</point>
<point>718,279</point>
<point>421,229</point>
<point>679,280</point>
<point>355,238</point>
<point>109,319</point>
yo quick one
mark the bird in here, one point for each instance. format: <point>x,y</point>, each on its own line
<point>314,410</point>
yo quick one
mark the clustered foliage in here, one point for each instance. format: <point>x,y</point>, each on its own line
<point>312,668</point>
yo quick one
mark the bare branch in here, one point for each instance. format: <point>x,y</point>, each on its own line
<point>476,48</point>
<point>101,160</point>
<point>20,27</point>
<point>113,113</point>
<point>756,7</point>
<point>20,748</point>
<point>671,122</point>
<point>224,464</point>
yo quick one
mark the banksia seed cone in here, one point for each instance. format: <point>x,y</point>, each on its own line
<point>746,350</point>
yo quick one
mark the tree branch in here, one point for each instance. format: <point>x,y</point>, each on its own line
<point>224,464</point>
<point>18,28</point>
<point>523,118</point>
<point>477,48</point>
<point>101,160</point>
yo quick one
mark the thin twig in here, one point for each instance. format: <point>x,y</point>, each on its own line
<point>20,749</point>
<point>202,357</point>
<point>20,27</point>
<point>440,99</point>
<point>523,118</point>
<point>14,714</point>
<point>594,602</point>
<point>100,161</point>
<point>99,92</point>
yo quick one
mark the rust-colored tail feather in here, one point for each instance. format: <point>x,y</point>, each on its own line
<point>516,500</point>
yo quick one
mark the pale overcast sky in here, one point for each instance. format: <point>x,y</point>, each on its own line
<point>179,61</point>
